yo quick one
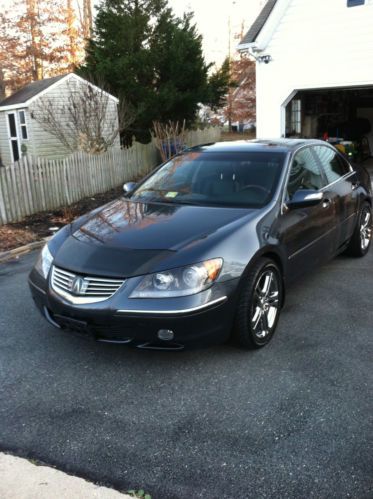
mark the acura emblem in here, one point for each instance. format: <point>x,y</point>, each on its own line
<point>78,286</point>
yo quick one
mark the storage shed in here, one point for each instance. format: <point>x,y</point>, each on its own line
<point>22,134</point>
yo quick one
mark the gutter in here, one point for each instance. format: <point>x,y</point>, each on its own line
<point>247,47</point>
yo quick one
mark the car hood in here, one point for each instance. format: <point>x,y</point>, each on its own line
<point>129,238</point>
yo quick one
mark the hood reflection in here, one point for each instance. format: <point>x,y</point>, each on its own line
<point>121,215</point>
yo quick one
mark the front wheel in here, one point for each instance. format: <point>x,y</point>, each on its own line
<point>362,236</point>
<point>259,305</point>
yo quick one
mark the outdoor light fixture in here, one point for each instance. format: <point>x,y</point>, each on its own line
<point>264,58</point>
<point>260,58</point>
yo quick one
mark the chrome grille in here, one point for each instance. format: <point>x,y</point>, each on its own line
<point>82,289</point>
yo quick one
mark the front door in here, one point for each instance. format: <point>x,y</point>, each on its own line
<point>13,137</point>
<point>308,233</point>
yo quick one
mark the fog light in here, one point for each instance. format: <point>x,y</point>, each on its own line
<point>165,334</point>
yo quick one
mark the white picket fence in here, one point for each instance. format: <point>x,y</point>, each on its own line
<point>34,185</point>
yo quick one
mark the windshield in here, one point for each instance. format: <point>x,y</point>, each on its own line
<point>234,179</point>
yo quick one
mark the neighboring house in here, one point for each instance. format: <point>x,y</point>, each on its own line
<point>21,133</point>
<point>314,68</point>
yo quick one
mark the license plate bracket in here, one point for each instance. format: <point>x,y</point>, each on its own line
<point>73,324</point>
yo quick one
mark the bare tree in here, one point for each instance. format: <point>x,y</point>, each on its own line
<point>241,101</point>
<point>87,18</point>
<point>86,119</point>
<point>169,138</point>
<point>40,39</point>
<point>72,35</point>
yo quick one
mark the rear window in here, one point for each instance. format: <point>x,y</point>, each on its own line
<point>235,179</point>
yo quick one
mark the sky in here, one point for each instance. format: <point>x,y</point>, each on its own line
<point>212,18</point>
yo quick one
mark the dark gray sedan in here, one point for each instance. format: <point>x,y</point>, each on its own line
<point>203,248</point>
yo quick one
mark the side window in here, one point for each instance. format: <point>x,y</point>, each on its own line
<point>305,173</point>
<point>23,125</point>
<point>334,165</point>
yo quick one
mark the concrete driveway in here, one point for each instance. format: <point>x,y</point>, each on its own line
<point>292,420</point>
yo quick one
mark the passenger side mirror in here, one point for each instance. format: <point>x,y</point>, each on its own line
<point>128,187</point>
<point>304,198</point>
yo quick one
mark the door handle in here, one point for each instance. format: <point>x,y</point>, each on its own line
<point>355,185</point>
<point>326,203</point>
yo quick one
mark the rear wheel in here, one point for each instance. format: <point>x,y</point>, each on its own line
<point>362,236</point>
<point>259,305</point>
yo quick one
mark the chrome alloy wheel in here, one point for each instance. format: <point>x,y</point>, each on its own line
<point>265,306</point>
<point>366,229</point>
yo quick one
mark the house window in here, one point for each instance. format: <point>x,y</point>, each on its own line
<point>13,136</point>
<point>23,125</point>
<point>296,116</point>
<point>354,3</point>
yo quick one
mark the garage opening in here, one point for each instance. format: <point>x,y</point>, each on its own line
<point>343,116</point>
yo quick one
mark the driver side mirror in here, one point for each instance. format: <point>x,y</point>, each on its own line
<point>304,198</point>
<point>128,187</point>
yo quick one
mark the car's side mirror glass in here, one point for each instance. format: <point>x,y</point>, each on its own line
<point>128,187</point>
<point>304,198</point>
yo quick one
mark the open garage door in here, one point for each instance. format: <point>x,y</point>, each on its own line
<point>343,116</point>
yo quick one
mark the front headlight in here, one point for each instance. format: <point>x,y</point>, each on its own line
<point>183,281</point>
<point>44,262</point>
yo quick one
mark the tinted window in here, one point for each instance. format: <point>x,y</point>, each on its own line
<point>246,179</point>
<point>305,173</point>
<point>334,165</point>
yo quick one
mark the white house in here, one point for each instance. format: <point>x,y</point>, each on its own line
<point>21,133</point>
<point>314,68</point>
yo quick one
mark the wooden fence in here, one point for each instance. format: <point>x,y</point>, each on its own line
<point>35,185</point>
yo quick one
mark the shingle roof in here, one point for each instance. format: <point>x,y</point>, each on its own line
<point>29,91</point>
<point>259,23</point>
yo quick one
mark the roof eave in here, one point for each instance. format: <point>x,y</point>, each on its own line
<point>12,107</point>
<point>264,35</point>
<point>54,85</point>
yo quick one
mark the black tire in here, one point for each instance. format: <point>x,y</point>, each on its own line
<point>256,319</point>
<point>362,237</point>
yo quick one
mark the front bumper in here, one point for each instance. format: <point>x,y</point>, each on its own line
<point>194,321</point>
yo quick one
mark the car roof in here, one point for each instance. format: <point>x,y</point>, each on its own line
<point>280,145</point>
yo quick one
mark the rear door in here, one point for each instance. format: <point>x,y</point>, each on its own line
<point>307,233</point>
<point>342,183</point>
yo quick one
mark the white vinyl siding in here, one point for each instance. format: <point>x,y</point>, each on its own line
<point>318,44</point>
<point>46,144</point>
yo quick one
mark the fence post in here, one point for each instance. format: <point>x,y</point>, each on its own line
<point>3,214</point>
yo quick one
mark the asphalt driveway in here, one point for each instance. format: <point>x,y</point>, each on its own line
<point>293,420</point>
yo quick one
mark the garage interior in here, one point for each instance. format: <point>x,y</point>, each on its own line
<point>343,117</point>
